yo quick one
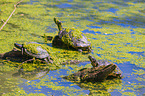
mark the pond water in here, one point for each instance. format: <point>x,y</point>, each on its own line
<point>116,30</point>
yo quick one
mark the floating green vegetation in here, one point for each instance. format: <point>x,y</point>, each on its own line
<point>139,72</point>
<point>63,55</point>
<point>114,34</point>
<point>18,92</point>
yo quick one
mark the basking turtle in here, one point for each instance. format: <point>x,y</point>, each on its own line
<point>97,63</point>
<point>73,37</point>
<point>97,73</point>
<point>34,49</point>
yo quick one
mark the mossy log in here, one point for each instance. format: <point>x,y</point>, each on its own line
<point>13,53</point>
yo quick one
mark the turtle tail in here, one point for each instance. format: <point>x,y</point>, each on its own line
<point>58,23</point>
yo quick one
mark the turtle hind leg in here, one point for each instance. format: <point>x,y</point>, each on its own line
<point>51,61</point>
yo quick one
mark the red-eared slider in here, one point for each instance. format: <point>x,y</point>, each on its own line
<point>95,74</point>
<point>97,63</point>
<point>34,49</point>
<point>73,37</point>
<point>102,70</point>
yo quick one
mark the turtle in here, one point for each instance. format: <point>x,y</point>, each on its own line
<point>35,50</point>
<point>97,63</point>
<point>100,71</point>
<point>95,74</point>
<point>73,37</point>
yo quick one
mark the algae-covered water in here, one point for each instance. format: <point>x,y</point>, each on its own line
<point>116,30</point>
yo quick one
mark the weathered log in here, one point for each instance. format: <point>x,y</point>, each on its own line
<point>57,42</point>
<point>14,56</point>
<point>13,53</point>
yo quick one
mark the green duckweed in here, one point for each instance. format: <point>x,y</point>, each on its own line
<point>113,38</point>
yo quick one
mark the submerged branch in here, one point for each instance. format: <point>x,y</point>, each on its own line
<point>10,15</point>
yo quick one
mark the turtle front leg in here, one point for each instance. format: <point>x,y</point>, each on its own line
<point>48,60</point>
<point>89,49</point>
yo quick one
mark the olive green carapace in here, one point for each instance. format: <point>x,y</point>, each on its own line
<point>75,33</point>
<point>32,47</point>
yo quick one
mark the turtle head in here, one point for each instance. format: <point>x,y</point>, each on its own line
<point>93,61</point>
<point>58,23</point>
<point>19,46</point>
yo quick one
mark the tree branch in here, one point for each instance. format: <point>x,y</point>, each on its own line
<point>10,15</point>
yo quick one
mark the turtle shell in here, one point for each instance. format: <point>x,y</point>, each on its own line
<point>97,63</point>
<point>74,38</point>
<point>103,62</point>
<point>35,49</point>
<point>106,63</point>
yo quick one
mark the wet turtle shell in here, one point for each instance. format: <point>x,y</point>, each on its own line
<point>34,49</point>
<point>97,63</point>
<point>73,37</point>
